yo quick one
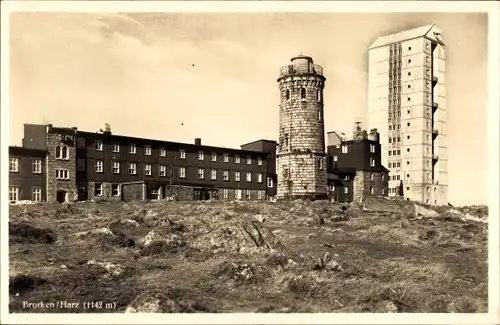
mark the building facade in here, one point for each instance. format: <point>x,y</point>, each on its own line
<point>27,174</point>
<point>407,105</point>
<point>357,162</point>
<point>79,165</point>
<point>301,155</point>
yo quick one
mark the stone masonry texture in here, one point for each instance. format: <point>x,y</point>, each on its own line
<point>52,164</point>
<point>301,153</point>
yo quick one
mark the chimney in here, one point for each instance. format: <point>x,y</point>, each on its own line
<point>374,135</point>
<point>197,141</point>
<point>107,128</point>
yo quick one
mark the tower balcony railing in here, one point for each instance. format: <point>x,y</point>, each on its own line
<point>435,132</point>
<point>435,157</point>
<point>296,69</point>
<point>434,80</point>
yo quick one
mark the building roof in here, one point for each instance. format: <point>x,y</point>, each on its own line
<point>27,152</point>
<point>423,31</point>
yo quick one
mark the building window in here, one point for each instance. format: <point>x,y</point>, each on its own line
<point>80,164</point>
<point>319,115</point>
<point>201,173</point>
<point>237,176</point>
<point>344,149</point>
<point>201,155</point>
<point>225,193</point>
<point>382,176</point>
<point>409,86</point>
<point>408,150</point>
<point>236,159</point>
<point>259,161</point>
<point>270,182</point>
<point>371,190</point>
<point>409,73</point>
<point>372,176</point>
<point>259,195</point>
<point>65,153</point>
<point>182,154</point>
<point>332,188</point>
<point>390,152</point>
<point>116,167</point>
<point>99,166</point>
<point>116,147</point>
<point>372,162</point>
<point>13,194</point>
<point>287,94</point>
<point>318,95</point>
<point>382,190</point>
<point>399,164</point>
<point>214,174</point>
<point>132,169</point>
<point>147,150</point>
<point>37,195</point>
<point>249,160</point>
<point>225,175</point>
<point>163,171</point>
<point>115,190</point>
<point>409,60</point>
<point>335,158</point>
<point>132,148</point>
<point>248,194</point>
<point>147,170</point>
<point>346,178</point>
<point>213,157</point>
<point>182,172</point>
<point>372,148</point>
<point>346,189</point>
<point>80,143</point>
<point>226,157</point>
<point>163,152</point>
<point>62,174</point>
<point>259,178</point>
<point>98,190</point>
<point>249,177</point>
<point>13,165</point>
<point>303,93</point>
<point>98,145</point>
<point>398,177</point>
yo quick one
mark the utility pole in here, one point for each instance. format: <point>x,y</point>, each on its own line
<point>170,180</point>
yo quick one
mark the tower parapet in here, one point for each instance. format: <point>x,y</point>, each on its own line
<point>301,152</point>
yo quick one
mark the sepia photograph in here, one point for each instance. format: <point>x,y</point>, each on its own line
<point>215,158</point>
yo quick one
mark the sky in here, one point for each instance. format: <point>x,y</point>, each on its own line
<point>177,76</point>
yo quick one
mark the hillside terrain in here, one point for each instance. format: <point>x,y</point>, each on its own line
<point>384,256</point>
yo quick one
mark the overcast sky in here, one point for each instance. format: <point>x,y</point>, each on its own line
<point>181,76</point>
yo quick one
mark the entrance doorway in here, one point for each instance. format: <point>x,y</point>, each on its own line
<point>62,196</point>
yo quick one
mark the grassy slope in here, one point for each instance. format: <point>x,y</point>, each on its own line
<point>386,261</point>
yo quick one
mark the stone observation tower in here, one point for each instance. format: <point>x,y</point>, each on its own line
<point>301,155</point>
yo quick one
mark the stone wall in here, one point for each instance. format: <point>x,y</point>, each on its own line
<point>301,136</point>
<point>365,181</point>
<point>134,191</point>
<point>181,193</point>
<point>305,178</point>
<point>52,164</point>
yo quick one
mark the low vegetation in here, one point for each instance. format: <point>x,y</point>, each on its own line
<point>384,256</point>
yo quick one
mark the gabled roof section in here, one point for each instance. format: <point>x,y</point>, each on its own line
<point>404,35</point>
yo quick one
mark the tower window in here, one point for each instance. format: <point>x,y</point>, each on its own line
<point>318,95</point>
<point>303,93</point>
<point>287,94</point>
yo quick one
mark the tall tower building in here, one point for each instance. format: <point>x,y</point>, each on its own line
<point>407,104</point>
<point>301,155</point>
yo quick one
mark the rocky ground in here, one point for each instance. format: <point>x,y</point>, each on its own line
<point>384,256</point>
